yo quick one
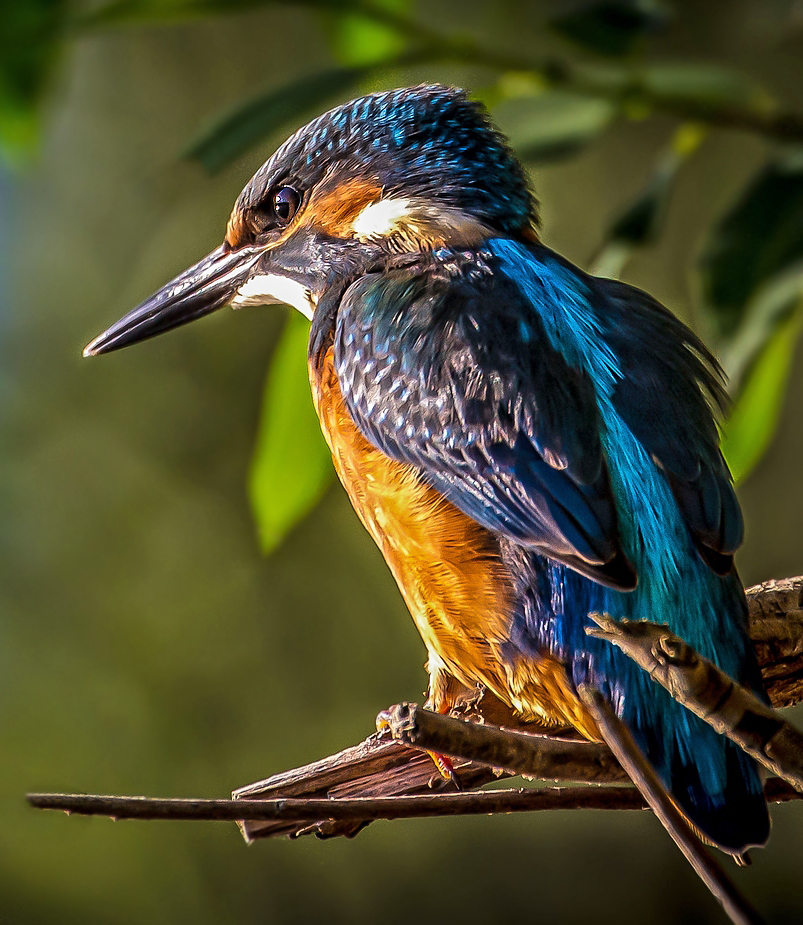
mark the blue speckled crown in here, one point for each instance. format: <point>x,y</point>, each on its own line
<point>427,140</point>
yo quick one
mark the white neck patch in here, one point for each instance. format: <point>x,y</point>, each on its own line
<point>379,219</point>
<point>272,289</point>
<point>414,223</point>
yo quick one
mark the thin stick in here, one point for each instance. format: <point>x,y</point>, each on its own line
<point>483,802</point>
<point>708,692</point>
<point>644,777</point>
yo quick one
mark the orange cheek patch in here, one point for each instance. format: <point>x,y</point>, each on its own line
<point>237,232</point>
<point>334,210</point>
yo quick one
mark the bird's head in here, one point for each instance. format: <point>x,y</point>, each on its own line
<point>408,170</point>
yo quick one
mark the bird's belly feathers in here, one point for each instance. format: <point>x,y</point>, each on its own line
<point>448,569</point>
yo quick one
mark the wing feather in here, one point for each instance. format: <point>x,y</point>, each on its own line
<point>669,395</point>
<point>447,367</point>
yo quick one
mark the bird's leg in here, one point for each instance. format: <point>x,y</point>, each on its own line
<point>445,768</point>
<point>444,690</point>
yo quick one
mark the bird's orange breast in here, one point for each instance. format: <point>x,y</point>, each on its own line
<point>447,567</point>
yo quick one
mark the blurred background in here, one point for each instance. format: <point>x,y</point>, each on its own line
<point>188,602</point>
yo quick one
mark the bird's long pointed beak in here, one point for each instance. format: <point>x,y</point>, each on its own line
<point>198,291</point>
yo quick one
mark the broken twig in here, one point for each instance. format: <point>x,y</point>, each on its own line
<point>708,692</point>
<point>776,631</point>
<point>641,772</point>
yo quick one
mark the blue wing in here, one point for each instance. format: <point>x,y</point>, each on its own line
<point>445,365</point>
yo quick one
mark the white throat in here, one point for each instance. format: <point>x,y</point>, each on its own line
<point>272,289</point>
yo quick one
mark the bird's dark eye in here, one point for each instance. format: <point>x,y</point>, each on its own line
<point>285,203</point>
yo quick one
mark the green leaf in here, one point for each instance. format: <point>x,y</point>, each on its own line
<point>610,28</point>
<point>638,225</point>
<point>259,117</point>
<point>642,220</point>
<point>549,126</point>
<point>357,39</point>
<point>748,432</point>
<point>767,309</point>
<point>291,467</point>
<point>760,237</point>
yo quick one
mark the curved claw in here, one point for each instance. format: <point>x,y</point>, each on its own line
<point>445,768</point>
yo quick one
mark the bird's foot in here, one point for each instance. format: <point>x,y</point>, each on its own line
<point>442,763</point>
<point>445,768</point>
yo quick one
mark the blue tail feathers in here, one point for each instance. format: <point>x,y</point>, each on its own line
<point>734,819</point>
<point>716,785</point>
<point>733,814</point>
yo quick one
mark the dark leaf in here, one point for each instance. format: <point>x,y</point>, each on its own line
<point>291,467</point>
<point>259,117</point>
<point>754,417</point>
<point>642,220</point>
<point>610,28</point>
<point>761,236</point>
<point>767,309</point>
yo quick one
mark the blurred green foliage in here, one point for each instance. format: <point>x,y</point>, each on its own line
<point>557,107</point>
<point>759,238</point>
<point>246,125</point>
<point>30,34</point>
<point>145,645</point>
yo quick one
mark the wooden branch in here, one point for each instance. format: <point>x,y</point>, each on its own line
<point>361,809</point>
<point>376,768</point>
<point>708,692</point>
<point>776,631</point>
<point>643,775</point>
<point>382,768</point>
<point>379,768</point>
<point>535,756</point>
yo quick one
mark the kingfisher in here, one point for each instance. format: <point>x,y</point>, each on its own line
<point>526,444</point>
